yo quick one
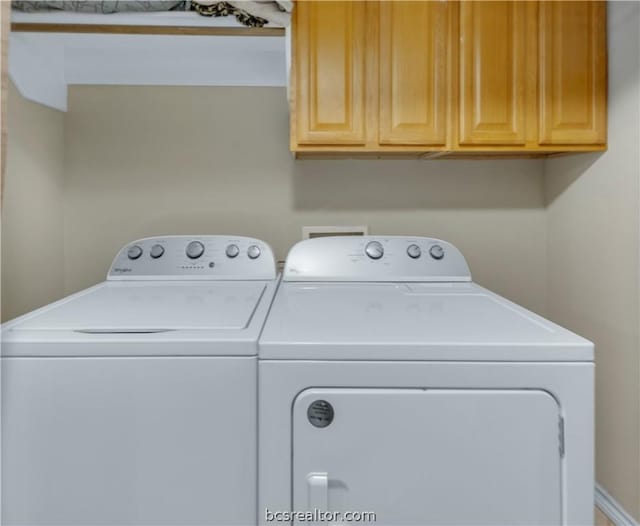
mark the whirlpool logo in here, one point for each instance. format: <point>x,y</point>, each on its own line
<point>121,270</point>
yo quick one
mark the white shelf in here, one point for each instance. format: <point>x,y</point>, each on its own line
<point>42,65</point>
<point>161,18</point>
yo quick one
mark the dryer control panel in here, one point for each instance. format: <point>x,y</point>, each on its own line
<point>376,258</point>
<point>194,257</point>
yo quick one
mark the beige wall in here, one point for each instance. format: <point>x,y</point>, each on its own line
<point>593,266</point>
<point>32,227</point>
<point>141,161</point>
<point>154,160</point>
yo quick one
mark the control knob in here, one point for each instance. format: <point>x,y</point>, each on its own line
<point>134,252</point>
<point>253,251</point>
<point>195,249</point>
<point>374,250</point>
<point>232,251</point>
<point>413,251</point>
<point>157,251</point>
<point>436,252</point>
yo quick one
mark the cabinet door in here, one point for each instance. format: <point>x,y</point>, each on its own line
<point>329,74</point>
<point>493,73</point>
<point>413,72</point>
<point>429,456</point>
<point>572,73</point>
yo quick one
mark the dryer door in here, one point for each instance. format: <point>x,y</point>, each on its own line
<point>429,457</point>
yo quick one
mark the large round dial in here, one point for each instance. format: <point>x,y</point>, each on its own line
<point>232,251</point>
<point>156,251</point>
<point>413,251</point>
<point>436,251</point>
<point>374,250</point>
<point>253,251</point>
<point>195,249</point>
<point>134,252</point>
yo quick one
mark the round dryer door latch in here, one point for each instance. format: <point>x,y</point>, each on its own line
<point>320,413</point>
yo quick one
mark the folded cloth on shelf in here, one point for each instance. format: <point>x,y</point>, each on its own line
<point>250,13</point>
<point>102,7</point>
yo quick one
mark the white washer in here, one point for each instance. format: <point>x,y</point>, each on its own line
<point>390,383</point>
<point>134,402</point>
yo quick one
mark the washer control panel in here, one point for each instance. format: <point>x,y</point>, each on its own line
<point>375,258</point>
<point>194,257</point>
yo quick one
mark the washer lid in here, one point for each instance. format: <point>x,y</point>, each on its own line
<point>410,321</point>
<point>140,307</point>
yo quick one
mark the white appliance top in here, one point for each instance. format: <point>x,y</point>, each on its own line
<point>155,301</point>
<point>389,317</point>
<point>154,306</point>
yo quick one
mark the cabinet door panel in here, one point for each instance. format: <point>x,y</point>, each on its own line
<point>413,71</point>
<point>572,72</point>
<point>493,66</point>
<point>330,72</point>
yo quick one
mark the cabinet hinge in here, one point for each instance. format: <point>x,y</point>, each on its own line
<point>561,436</point>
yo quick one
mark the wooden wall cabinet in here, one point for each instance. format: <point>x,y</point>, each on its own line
<point>447,78</point>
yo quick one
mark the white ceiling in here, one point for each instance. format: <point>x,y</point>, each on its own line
<point>42,65</point>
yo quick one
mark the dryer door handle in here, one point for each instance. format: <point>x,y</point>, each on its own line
<point>318,491</point>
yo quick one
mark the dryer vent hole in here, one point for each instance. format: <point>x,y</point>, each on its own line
<point>320,413</point>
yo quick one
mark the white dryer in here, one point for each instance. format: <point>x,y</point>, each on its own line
<point>134,402</point>
<point>390,383</point>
